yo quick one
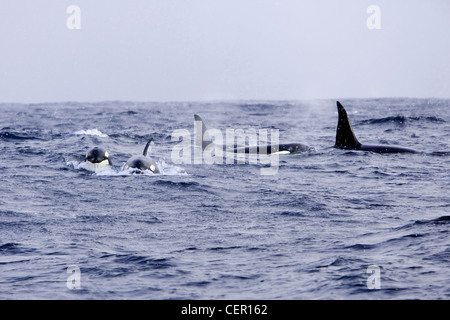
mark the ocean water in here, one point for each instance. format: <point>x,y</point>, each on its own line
<point>330,224</point>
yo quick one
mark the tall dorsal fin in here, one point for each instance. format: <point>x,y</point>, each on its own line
<point>345,138</point>
<point>206,140</point>
<point>147,146</point>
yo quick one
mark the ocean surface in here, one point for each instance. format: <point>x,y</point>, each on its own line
<point>330,224</point>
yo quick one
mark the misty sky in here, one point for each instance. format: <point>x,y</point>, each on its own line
<point>179,50</point>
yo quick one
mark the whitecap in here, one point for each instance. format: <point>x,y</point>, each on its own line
<point>170,170</point>
<point>90,167</point>
<point>164,168</point>
<point>91,132</point>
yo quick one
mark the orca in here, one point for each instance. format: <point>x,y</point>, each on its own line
<point>346,139</point>
<point>142,163</point>
<point>98,158</point>
<point>286,148</point>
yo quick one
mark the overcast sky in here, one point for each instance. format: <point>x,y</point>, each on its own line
<point>178,50</point>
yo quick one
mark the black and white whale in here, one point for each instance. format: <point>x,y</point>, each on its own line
<point>97,158</point>
<point>346,139</point>
<point>286,148</point>
<point>142,163</point>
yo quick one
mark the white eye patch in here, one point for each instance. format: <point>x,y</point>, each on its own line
<point>152,167</point>
<point>282,152</point>
<point>106,154</point>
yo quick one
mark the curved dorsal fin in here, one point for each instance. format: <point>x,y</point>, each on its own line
<point>345,138</point>
<point>147,146</point>
<point>206,140</point>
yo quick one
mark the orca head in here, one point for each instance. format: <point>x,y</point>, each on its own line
<point>142,163</point>
<point>345,138</point>
<point>98,156</point>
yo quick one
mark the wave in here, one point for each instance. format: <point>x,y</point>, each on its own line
<point>143,262</point>
<point>191,186</point>
<point>7,135</point>
<point>387,243</point>
<point>401,120</point>
<point>91,132</point>
<point>440,153</point>
<point>164,168</point>
<point>409,232</point>
<point>439,220</point>
<point>178,185</point>
<point>11,248</point>
<point>361,246</point>
<point>436,221</point>
<point>255,106</point>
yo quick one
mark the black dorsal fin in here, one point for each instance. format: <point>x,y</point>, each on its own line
<point>147,146</point>
<point>345,138</point>
<point>206,139</point>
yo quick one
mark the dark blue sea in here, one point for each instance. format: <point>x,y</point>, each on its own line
<point>330,224</point>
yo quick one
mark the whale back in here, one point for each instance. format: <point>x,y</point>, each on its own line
<point>346,139</point>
